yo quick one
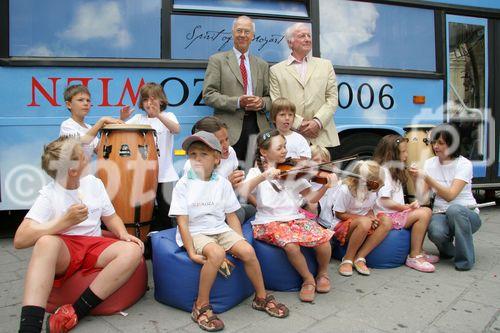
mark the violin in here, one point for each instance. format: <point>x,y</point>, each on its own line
<point>319,172</point>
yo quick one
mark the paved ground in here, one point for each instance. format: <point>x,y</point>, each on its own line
<point>394,300</point>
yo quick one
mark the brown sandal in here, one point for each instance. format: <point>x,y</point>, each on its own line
<point>271,306</point>
<point>205,321</point>
<point>323,284</point>
<point>307,294</point>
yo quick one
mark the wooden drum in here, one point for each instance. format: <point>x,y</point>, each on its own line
<point>419,150</point>
<point>128,166</point>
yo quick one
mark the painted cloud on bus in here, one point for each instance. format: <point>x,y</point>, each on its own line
<point>80,28</point>
<point>99,21</point>
<point>354,25</point>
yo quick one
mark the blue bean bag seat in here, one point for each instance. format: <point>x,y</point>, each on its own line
<point>176,277</point>
<point>279,274</point>
<point>390,253</point>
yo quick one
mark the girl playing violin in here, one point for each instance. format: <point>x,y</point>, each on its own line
<point>278,220</point>
<point>391,153</point>
<point>354,217</point>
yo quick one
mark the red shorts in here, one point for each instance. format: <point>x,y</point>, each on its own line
<point>84,252</point>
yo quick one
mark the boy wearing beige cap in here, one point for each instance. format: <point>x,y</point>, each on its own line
<point>202,201</point>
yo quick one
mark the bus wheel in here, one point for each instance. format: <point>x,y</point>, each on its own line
<point>361,144</point>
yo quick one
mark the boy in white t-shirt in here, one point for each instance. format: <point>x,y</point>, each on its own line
<point>63,226</point>
<point>282,115</point>
<point>77,99</point>
<point>153,101</point>
<point>201,201</point>
<point>228,166</point>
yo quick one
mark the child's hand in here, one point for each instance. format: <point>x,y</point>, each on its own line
<point>198,258</point>
<point>271,173</point>
<point>109,120</point>
<point>75,214</point>
<point>129,238</point>
<point>236,177</point>
<point>416,172</point>
<point>375,222</point>
<point>332,180</point>
<point>414,205</point>
<point>126,112</point>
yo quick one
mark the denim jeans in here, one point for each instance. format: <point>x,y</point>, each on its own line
<point>457,223</point>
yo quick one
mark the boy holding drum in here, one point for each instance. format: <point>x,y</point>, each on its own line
<point>77,99</point>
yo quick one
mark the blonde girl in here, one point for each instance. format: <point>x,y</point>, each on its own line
<point>354,217</point>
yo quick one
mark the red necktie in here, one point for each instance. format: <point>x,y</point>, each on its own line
<point>243,71</point>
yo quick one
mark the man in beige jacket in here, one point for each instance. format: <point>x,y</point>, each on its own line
<point>236,85</point>
<point>308,82</point>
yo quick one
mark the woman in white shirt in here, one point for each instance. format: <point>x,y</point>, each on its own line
<point>449,176</point>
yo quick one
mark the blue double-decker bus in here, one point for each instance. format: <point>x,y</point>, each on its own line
<point>397,63</point>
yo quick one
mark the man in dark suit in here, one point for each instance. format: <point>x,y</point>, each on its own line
<point>237,87</point>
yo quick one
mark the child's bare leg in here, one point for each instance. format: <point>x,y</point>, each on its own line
<point>374,239</point>
<point>358,230</point>
<point>245,252</point>
<point>50,257</point>
<point>118,262</point>
<point>215,254</point>
<point>323,256</point>
<point>298,261</point>
<point>419,219</point>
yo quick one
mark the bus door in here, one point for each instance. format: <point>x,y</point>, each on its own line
<point>467,89</point>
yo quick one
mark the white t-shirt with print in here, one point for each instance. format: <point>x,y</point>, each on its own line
<point>277,206</point>
<point>460,168</point>
<point>165,141</point>
<point>346,203</point>
<point>54,201</point>
<point>297,146</point>
<point>392,189</point>
<point>206,203</point>
<point>226,166</point>
<point>71,127</point>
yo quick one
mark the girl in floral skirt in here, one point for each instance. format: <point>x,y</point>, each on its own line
<point>278,220</point>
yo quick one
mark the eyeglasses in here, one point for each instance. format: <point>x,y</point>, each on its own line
<point>245,32</point>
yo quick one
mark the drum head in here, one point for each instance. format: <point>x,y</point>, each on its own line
<point>418,127</point>
<point>127,127</point>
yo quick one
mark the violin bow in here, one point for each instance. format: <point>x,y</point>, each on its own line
<point>340,160</point>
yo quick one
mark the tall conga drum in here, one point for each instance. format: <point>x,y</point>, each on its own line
<point>128,166</point>
<point>419,150</point>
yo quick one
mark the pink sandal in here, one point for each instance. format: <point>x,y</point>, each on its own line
<point>420,264</point>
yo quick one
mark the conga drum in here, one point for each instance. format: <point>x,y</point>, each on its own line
<point>419,150</point>
<point>128,166</point>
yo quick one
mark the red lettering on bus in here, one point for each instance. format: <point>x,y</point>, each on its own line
<point>105,91</point>
<point>36,85</point>
<point>84,80</point>
<point>133,96</point>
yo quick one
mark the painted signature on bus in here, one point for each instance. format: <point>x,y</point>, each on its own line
<point>224,36</point>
